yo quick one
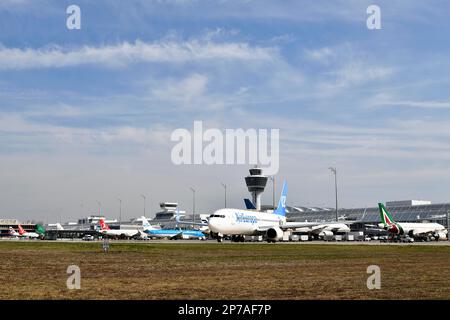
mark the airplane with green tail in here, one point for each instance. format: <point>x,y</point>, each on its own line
<point>424,230</point>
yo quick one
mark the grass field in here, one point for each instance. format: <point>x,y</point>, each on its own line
<point>37,270</point>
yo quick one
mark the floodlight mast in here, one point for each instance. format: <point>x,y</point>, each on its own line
<point>193,204</point>
<point>225,187</point>
<point>334,171</point>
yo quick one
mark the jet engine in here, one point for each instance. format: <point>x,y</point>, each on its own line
<point>274,234</point>
<point>326,233</point>
<point>413,233</point>
<point>440,235</point>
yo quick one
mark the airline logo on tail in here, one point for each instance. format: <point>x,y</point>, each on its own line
<point>249,205</point>
<point>103,225</point>
<point>21,230</point>
<point>40,229</point>
<point>281,209</point>
<point>146,225</point>
<point>388,222</point>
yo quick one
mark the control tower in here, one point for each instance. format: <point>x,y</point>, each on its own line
<point>256,182</point>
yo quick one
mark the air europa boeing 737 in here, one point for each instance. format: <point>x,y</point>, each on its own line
<point>239,223</point>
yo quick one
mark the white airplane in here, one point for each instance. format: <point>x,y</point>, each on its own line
<point>321,230</point>
<point>123,233</point>
<point>29,235</point>
<point>239,223</point>
<point>414,230</point>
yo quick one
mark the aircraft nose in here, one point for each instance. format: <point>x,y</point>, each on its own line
<point>213,224</point>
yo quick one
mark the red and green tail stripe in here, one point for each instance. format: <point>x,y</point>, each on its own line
<point>388,221</point>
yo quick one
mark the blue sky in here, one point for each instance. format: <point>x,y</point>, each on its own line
<point>86,115</point>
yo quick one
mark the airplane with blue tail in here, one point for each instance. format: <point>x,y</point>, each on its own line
<point>171,233</point>
<point>238,223</point>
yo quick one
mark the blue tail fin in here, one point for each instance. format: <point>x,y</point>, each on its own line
<point>281,209</point>
<point>249,205</point>
<point>146,225</point>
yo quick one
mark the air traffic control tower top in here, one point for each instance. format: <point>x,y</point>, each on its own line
<point>256,183</point>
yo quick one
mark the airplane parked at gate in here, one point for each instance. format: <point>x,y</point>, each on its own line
<point>40,231</point>
<point>124,233</point>
<point>171,233</point>
<point>414,230</point>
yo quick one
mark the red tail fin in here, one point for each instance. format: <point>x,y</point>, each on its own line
<point>21,231</point>
<point>103,225</point>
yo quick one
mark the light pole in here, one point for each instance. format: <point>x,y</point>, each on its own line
<point>448,225</point>
<point>193,204</point>
<point>273,191</point>
<point>334,171</point>
<point>120,211</point>
<point>143,197</point>
<point>225,187</point>
<point>99,207</point>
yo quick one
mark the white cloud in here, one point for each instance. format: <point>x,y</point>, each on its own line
<point>416,104</point>
<point>184,91</point>
<point>126,53</point>
<point>17,124</point>
<point>144,136</point>
<point>357,73</point>
<point>320,54</point>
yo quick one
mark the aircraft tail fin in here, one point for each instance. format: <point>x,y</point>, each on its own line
<point>21,230</point>
<point>281,209</point>
<point>11,231</point>
<point>386,217</point>
<point>103,225</point>
<point>40,229</point>
<point>146,225</point>
<point>249,205</point>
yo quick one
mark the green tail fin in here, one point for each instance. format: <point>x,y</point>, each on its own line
<point>40,229</point>
<point>386,217</point>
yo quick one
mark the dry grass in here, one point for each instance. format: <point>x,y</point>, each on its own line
<point>35,270</point>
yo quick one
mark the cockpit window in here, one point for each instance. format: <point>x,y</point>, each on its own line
<point>217,216</point>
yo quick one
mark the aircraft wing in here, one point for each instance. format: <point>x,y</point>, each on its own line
<point>289,225</point>
<point>179,235</point>
<point>295,225</point>
<point>325,225</point>
<point>423,232</point>
<point>136,234</point>
<point>314,226</point>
